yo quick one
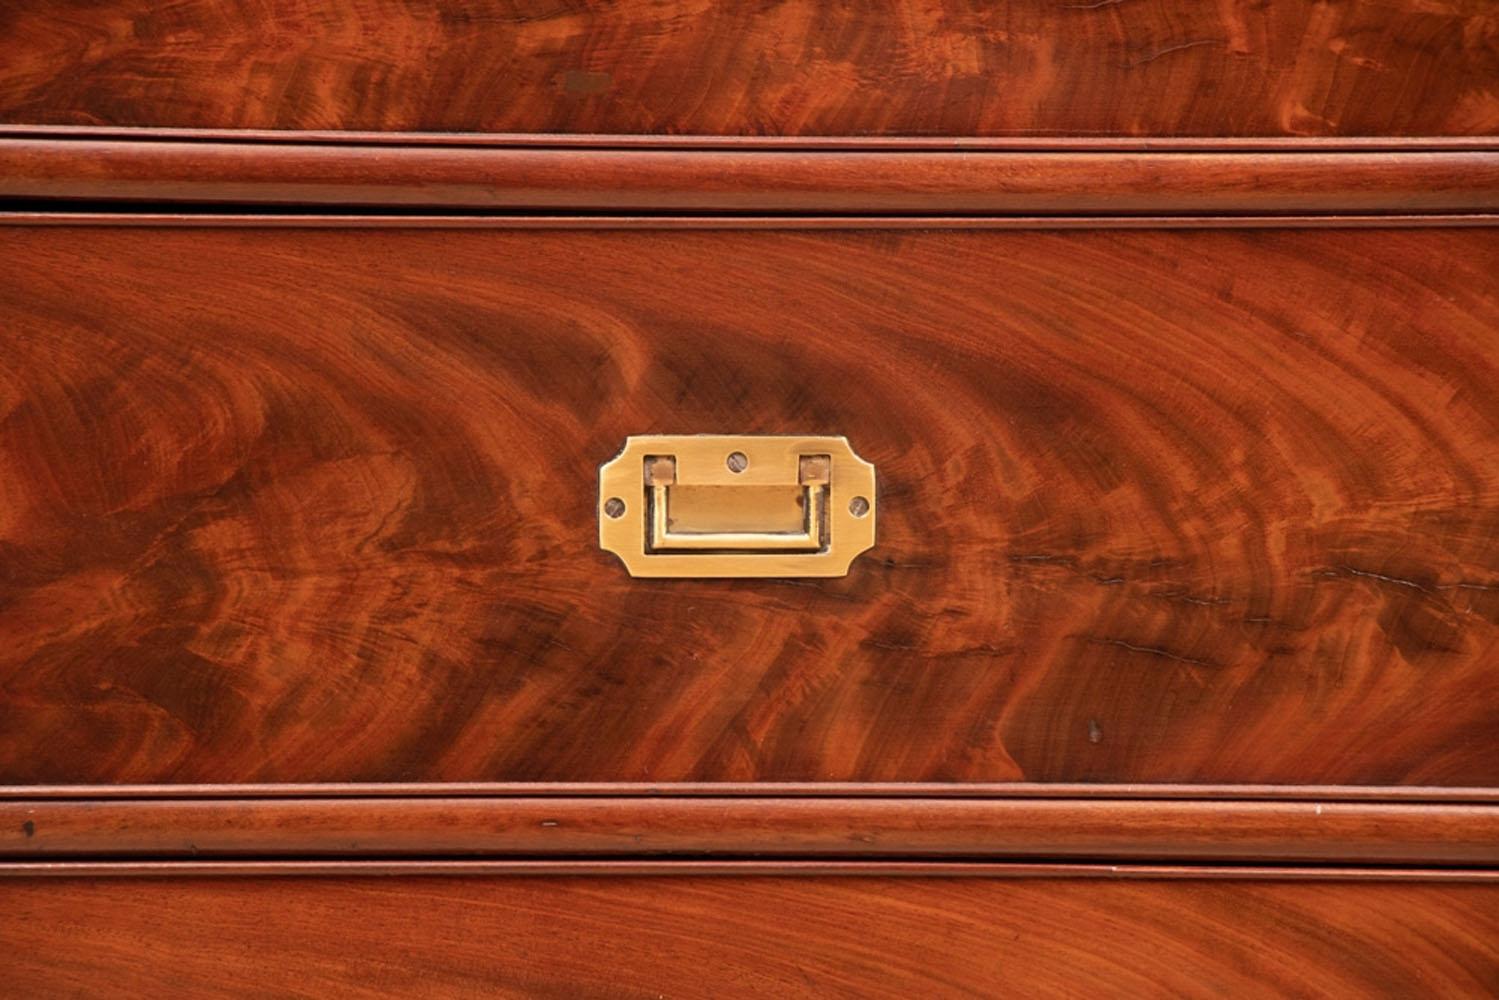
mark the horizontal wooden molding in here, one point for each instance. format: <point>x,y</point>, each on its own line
<point>583,140</point>
<point>758,790</point>
<point>182,217</point>
<point>345,868</point>
<point>765,180</point>
<point>1370,833</point>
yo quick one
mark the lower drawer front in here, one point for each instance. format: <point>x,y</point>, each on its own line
<point>732,936</point>
<point>320,504</point>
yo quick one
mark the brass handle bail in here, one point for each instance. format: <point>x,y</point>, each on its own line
<point>736,506</point>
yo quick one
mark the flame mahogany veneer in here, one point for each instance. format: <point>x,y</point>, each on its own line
<point>1172,330</point>
<point>789,67</point>
<point>313,504</point>
<point>298,503</point>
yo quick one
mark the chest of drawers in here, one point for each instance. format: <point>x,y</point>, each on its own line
<point>656,499</point>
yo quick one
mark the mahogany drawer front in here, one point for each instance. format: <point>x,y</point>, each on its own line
<point>290,504</point>
<point>915,68</point>
<point>716,936</point>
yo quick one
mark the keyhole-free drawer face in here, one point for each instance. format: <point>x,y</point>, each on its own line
<point>292,504</point>
<point>885,934</point>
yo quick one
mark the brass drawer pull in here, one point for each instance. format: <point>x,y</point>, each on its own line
<point>736,506</point>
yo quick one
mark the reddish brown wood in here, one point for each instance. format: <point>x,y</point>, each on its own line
<point>732,937</point>
<point>297,571</point>
<point>735,180</point>
<point>797,67</point>
<point>124,216</point>
<point>317,505</point>
<point>758,789</point>
<point>676,867</point>
<point>801,827</point>
<point>771,143</point>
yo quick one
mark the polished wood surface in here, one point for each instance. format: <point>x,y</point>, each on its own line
<point>750,179</point>
<point>793,67</point>
<point>1303,832</point>
<point>765,143</point>
<point>732,937</point>
<point>317,505</point>
<point>693,867</point>
<point>1169,327</point>
<point>119,215</point>
<point>1404,794</point>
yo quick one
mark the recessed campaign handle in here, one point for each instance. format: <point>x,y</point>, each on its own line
<point>666,536</point>
<point>746,505</point>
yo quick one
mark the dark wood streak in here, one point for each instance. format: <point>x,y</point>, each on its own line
<point>1017,182</point>
<point>708,936</point>
<point>792,67</point>
<point>1156,506</point>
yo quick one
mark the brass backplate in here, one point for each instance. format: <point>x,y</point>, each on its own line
<point>735,505</point>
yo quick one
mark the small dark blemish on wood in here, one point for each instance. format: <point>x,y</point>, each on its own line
<point>981,649</point>
<point>1042,557</point>
<point>892,563</point>
<point>1165,654</point>
<point>1187,598</point>
<point>893,647</point>
<point>28,828</point>
<point>1396,580</point>
<point>1157,53</point>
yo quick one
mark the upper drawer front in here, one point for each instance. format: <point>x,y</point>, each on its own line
<point>319,504</point>
<point>1036,68</point>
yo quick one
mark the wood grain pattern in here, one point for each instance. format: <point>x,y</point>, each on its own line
<point>1343,833</point>
<point>697,867</point>
<point>743,937</point>
<point>790,67</point>
<point>750,180</point>
<point>1389,794</point>
<point>197,217</point>
<point>317,505</point>
<point>767,143</point>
